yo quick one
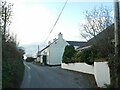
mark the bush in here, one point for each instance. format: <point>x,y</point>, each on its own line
<point>12,65</point>
<point>78,56</point>
<point>30,59</point>
<point>105,48</point>
<point>68,56</point>
<point>71,56</point>
<point>89,55</point>
<point>12,73</point>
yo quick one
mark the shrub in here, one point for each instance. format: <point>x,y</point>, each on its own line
<point>12,73</point>
<point>89,55</point>
<point>30,59</point>
<point>105,48</point>
<point>12,64</point>
<point>71,56</point>
<point>68,55</point>
<point>77,57</point>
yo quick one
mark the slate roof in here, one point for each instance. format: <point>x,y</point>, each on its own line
<point>76,43</point>
<point>38,53</point>
<point>46,47</point>
<point>108,33</point>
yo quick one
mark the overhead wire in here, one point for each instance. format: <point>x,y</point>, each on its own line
<point>56,21</point>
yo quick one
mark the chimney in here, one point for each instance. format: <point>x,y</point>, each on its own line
<point>49,42</point>
<point>54,39</point>
<point>60,35</point>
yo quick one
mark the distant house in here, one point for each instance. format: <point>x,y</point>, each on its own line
<point>103,37</point>
<point>53,52</point>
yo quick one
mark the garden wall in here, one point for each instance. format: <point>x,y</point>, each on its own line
<point>101,73</point>
<point>100,70</point>
<point>80,67</point>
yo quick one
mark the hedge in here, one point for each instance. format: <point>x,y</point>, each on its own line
<point>71,56</point>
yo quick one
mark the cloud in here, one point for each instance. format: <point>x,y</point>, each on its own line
<point>31,23</point>
<point>31,49</point>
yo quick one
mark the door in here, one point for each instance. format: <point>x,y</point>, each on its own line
<point>44,59</point>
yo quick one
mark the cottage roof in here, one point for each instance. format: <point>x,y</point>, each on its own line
<point>47,46</point>
<point>42,50</point>
<point>76,43</point>
<point>108,33</point>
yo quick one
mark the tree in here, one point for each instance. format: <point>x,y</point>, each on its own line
<point>96,21</point>
<point>5,15</point>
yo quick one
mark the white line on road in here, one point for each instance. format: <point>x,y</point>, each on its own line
<point>29,75</point>
<point>27,66</point>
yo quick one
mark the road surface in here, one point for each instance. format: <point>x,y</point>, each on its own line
<point>36,76</point>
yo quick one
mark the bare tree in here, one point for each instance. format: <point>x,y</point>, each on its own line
<point>5,21</point>
<point>96,21</point>
<point>5,15</point>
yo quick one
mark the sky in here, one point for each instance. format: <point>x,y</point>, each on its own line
<point>33,20</point>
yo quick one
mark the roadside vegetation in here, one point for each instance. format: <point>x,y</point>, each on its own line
<point>72,56</point>
<point>30,59</point>
<point>68,56</point>
<point>12,53</point>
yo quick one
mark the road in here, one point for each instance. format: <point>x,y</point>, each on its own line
<point>36,76</point>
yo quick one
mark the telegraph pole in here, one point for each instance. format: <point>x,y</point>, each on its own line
<point>5,20</point>
<point>117,41</point>
<point>4,17</point>
<point>38,50</point>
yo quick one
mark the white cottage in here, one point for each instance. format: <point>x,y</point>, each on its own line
<point>52,54</point>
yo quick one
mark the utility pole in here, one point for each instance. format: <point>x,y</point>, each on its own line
<point>5,20</point>
<point>4,17</point>
<point>117,42</point>
<point>38,48</point>
<point>38,51</point>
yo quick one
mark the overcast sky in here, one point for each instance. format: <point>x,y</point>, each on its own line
<point>33,20</point>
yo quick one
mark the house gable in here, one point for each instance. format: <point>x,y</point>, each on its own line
<point>56,51</point>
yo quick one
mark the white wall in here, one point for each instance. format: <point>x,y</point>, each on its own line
<point>56,51</point>
<point>76,47</point>
<point>102,73</point>
<point>100,70</point>
<point>38,59</point>
<point>80,67</point>
<point>44,52</point>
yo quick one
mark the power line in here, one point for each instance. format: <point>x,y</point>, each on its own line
<point>56,21</point>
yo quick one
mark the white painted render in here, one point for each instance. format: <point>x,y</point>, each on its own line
<point>44,52</point>
<point>102,73</point>
<point>38,59</point>
<point>76,47</point>
<point>56,51</point>
<point>80,67</point>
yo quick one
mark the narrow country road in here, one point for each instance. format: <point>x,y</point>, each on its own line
<point>51,77</point>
